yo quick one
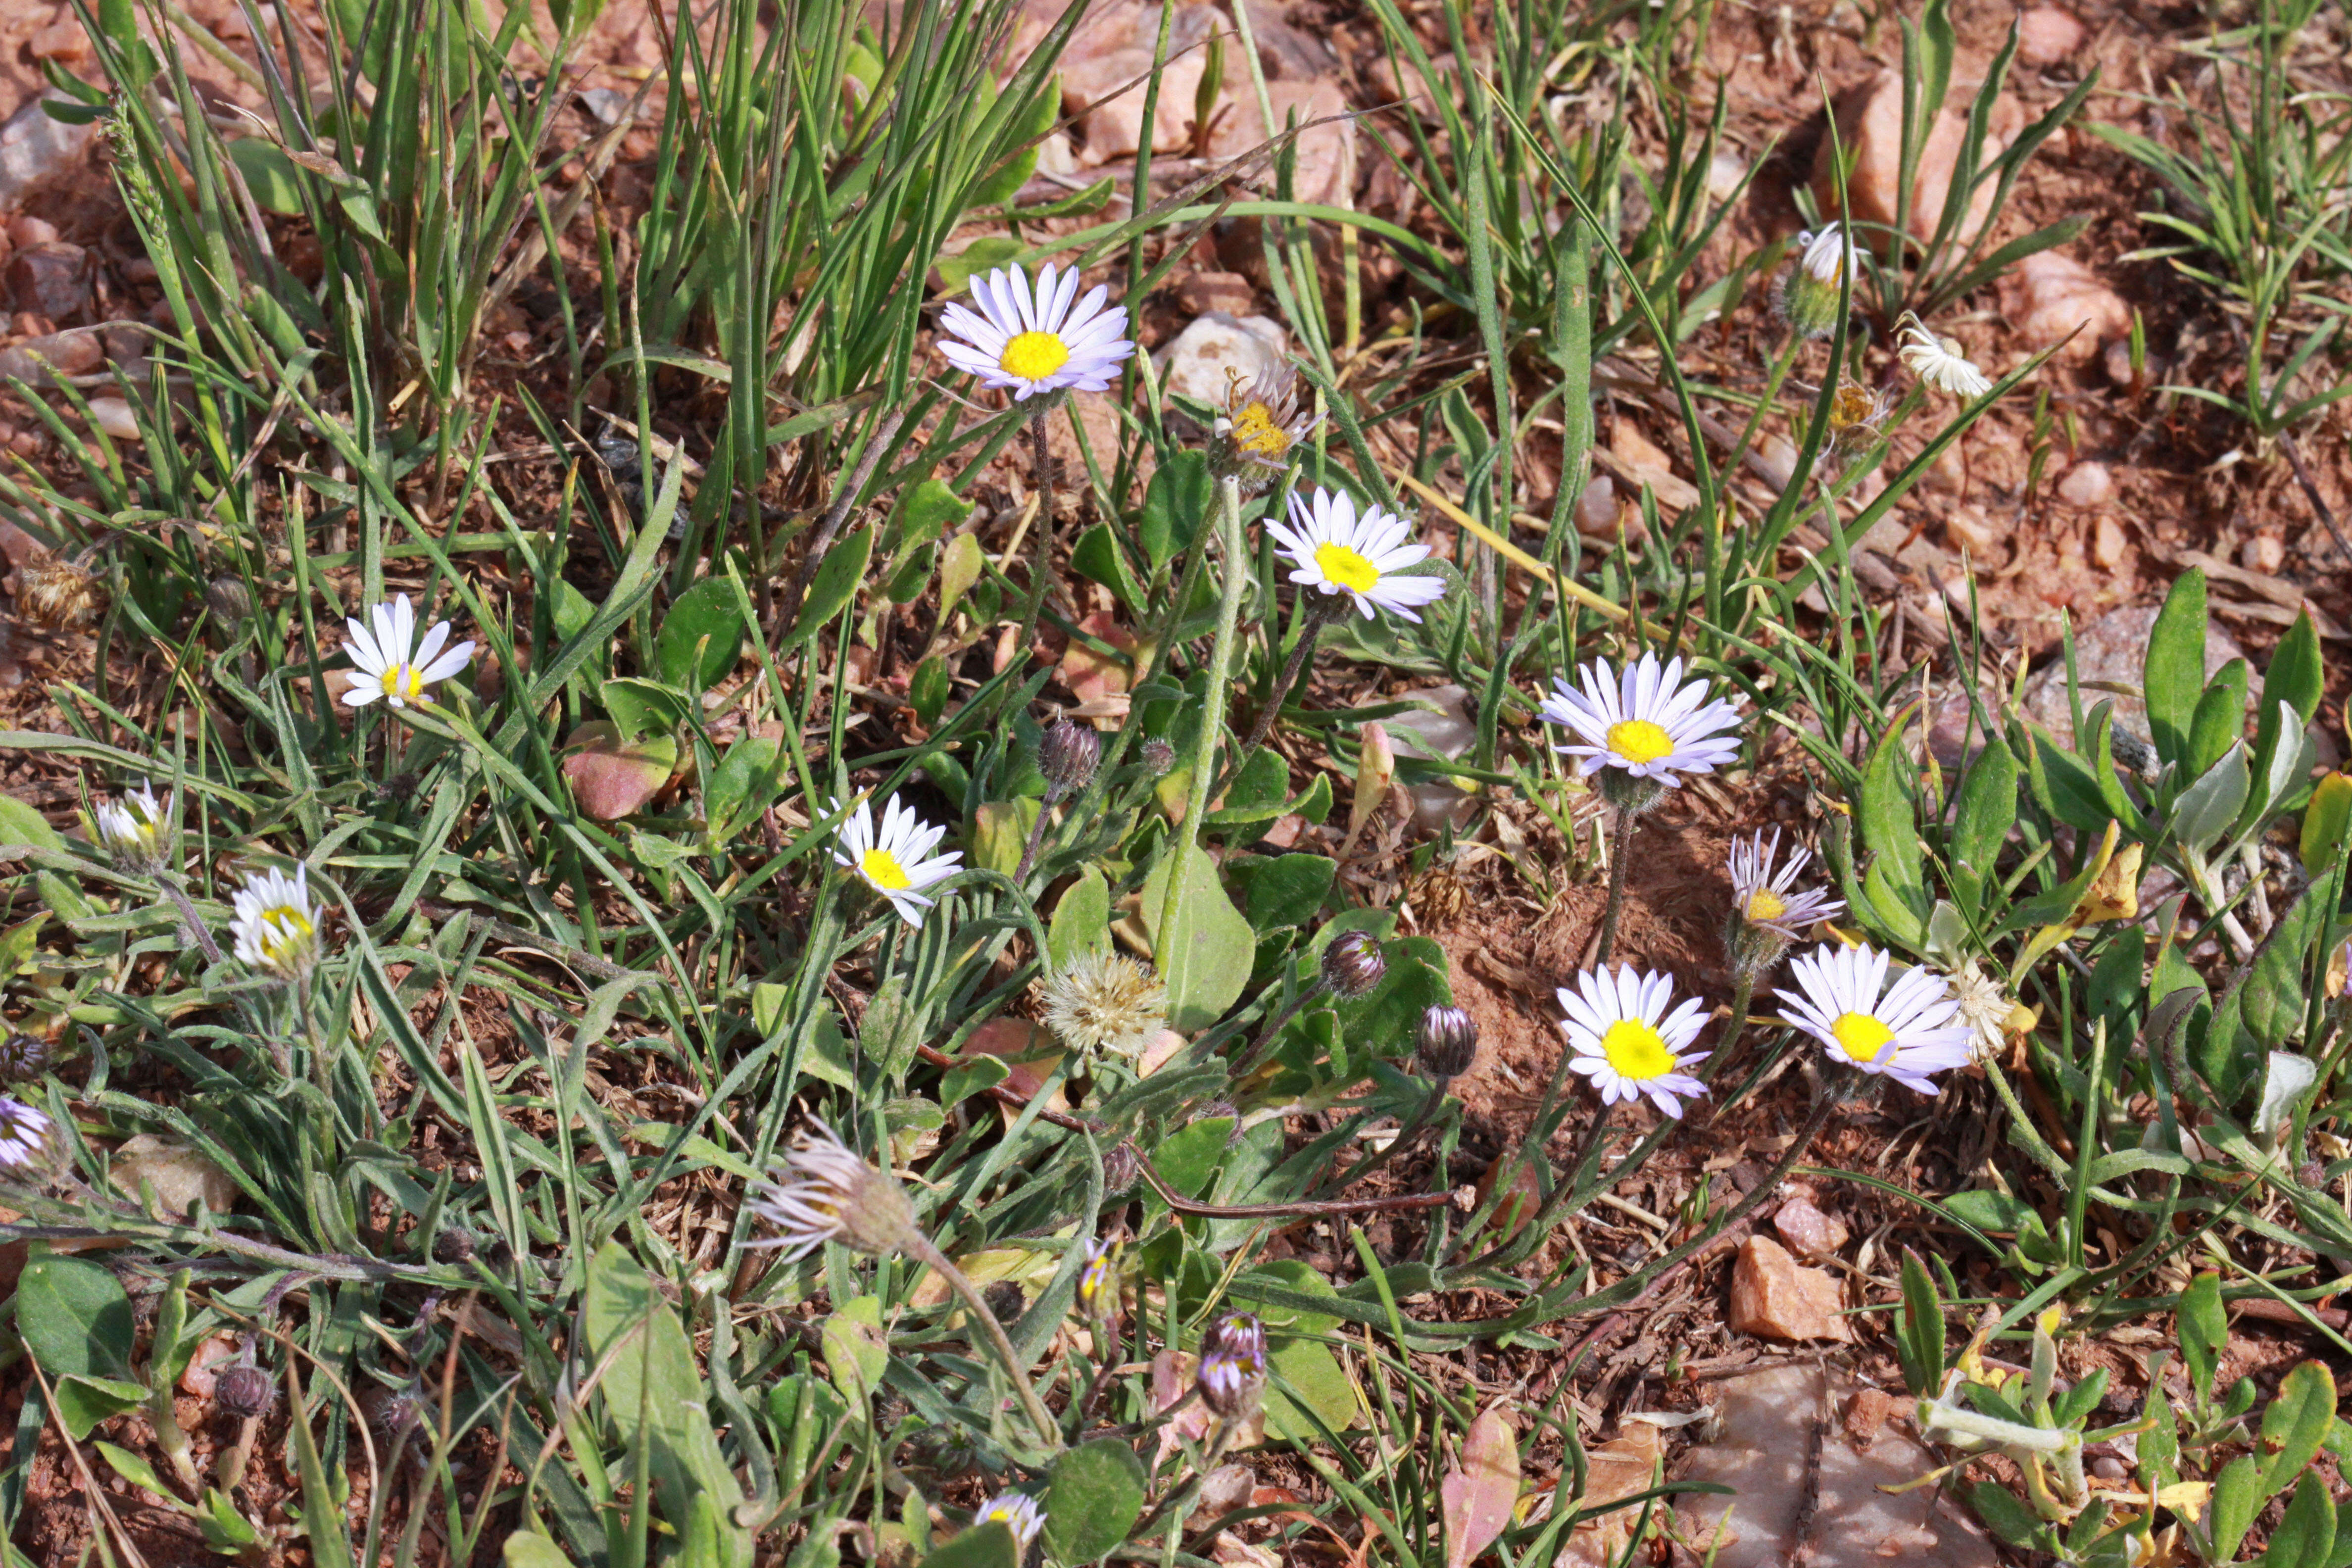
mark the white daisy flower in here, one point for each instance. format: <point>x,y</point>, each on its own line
<point>1260,424</point>
<point>1627,1042</point>
<point>829,1193</point>
<point>1029,341</point>
<point>276,925</point>
<point>1808,296</point>
<point>1339,553</point>
<point>384,657</point>
<point>1908,1034</point>
<point>136,827</point>
<point>1647,722</point>
<point>1018,1512</point>
<point>1764,897</point>
<point>23,1138</point>
<point>894,860</point>
<point>1938,362</point>
<point>1825,254</point>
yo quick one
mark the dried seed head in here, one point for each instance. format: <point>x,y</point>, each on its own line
<point>54,596</point>
<point>1158,757</point>
<point>1005,1298</point>
<point>1447,1042</point>
<point>1353,964</point>
<point>1231,1379</point>
<point>828,1193</point>
<point>243,1391</point>
<point>1104,1002</point>
<point>452,1245</point>
<point>1067,757</point>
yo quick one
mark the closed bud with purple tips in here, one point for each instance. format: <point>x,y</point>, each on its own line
<point>1231,1379</point>
<point>1353,964</point>
<point>1447,1044</point>
<point>1068,756</point>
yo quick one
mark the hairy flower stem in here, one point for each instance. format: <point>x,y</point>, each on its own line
<point>1617,858</point>
<point>1220,656</point>
<point>1248,1059</point>
<point>1041,574</point>
<point>1407,1136</point>
<point>1036,834</point>
<point>190,920</point>
<point>923,1250</point>
<point>1322,609</point>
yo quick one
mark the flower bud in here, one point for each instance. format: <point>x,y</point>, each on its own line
<point>26,1057</point>
<point>243,1391</point>
<point>1447,1044</point>
<point>230,604</point>
<point>1159,756</point>
<point>452,1245</point>
<point>1231,1379</point>
<point>1353,964</point>
<point>1122,1168</point>
<point>1067,756</point>
<point>1808,295</point>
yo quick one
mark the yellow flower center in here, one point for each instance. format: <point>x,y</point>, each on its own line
<point>1639,741</point>
<point>1863,1035</point>
<point>1851,406</point>
<point>1255,429</point>
<point>287,932</point>
<point>1764,904</point>
<point>1344,566</point>
<point>1636,1050</point>
<point>882,869</point>
<point>1033,356</point>
<point>403,681</point>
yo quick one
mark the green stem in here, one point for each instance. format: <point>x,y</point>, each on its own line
<point>1220,656</point>
<point>1321,611</point>
<point>921,1248</point>
<point>1405,1139</point>
<point>1040,573</point>
<point>189,918</point>
<point>1624,849</point>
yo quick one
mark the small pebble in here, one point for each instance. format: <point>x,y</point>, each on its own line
<point>114,416</point>
<point>2087,484</point>
<point>1596,509</point>
<point>1808,1232</point>
<point>26,229</point>
<point>2046,36</point>
<point>2264,553</point>
<point>2107,544</point>
<point>1968,527</point>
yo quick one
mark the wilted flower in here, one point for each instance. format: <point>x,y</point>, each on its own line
<point>1907,1035</point>
<point>275,923</point>
<point>1353,964</point>
<point>55,594</point>
<point>1447,1042</point>
<point>24,1139</point>
<point>1628,1043</point>
<point>1809,294</point>
<point>1984,1007</point>
<point>1259,425</point>
<point>894,860</point>
<point>1232,1378</point>
<point>1763,897</point>
<point>1644,723</point>
<point>1018,1512</point>
<point>1335,550</point>
<point>1104,1001</point>
<point>136,829</point>
<point>828,1193</point>
<point>1938,362</point>
<point>243,1391</point>
<point>1067,756</point>
<point>1029,342</point>
<point>384,656</point>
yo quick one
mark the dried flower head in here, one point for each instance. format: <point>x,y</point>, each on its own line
<point>56,595</point>
<point>24,1140</point>
<point>1937,361</point>
<point>1232,1376</point>
<point>1259,427</point>
<point>275,923</point>
<point>1447,1042</point>
<point>1067,756</point>
<point>1159,756</point>
<point>1103,1002</point>
<point>1353,964</point>
<point>136,829</point>
<point>828,1193</point>
<point>1018,1512</point>
<point>1984,1007</point>
<point>245,1391</point>
<point>1029,341</point>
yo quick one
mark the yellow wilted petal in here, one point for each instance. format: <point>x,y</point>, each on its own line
<point>2114,893</point>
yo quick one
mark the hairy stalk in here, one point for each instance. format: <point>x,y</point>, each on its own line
<point>1321,611</point>
<point>190,920</point>
<point>1036,834</point>
<point>1617,861</point>
<point>1274,1025</point>
<point>1220,656</point>
<point>925,1251</point>
<point>1407,1136</point>
<point>1034,602</point>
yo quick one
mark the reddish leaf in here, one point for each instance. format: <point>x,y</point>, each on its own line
<point>1480,1493</point>
<point>610,780</point>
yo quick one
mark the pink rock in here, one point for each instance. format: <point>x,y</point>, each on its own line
<point>1870,129</point>
<point>1772,1296</point>
<point>1113,118</point>
<point>64,42</point>
<point>2264,553</point>
<point>2087,484</point>
<point>2046,35</point>
<point>2050,295</point>
<point>1808,1232</point>
<point>2108,544</point>
<point>1327,153</point>
<point>208,1359</point>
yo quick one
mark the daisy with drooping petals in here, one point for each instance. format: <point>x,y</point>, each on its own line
<point>896,859</point>
<point>1938,362</point>
<point>1030,341</point>
<point>1259,425</point>
<point>1647,722</point>
<point>1337,552</point>
<point>1763,897</point>
<point>1808,295</point>
<point>275,923</point>
<point>826,1190</point>
<point>1910,1033</point>
<point>1628,1043</point>
<point>136,826</point>
<point>383,663</point>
